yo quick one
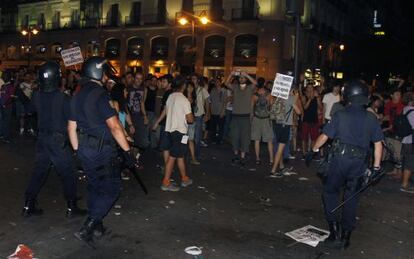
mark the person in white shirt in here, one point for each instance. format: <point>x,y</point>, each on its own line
<point>179,114</point>
<point>329,100</point>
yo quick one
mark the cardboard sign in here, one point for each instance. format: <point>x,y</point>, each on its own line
<point>72,56</point>
<point>282,85</point>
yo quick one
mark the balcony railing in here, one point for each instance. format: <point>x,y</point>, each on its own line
<point>110,22</point>
<point>245,14</point>
<point>132,21</point>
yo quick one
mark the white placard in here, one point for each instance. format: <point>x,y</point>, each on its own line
<point>72,56</point>
<point>282,85</point>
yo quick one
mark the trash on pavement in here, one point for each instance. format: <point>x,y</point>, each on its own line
<point>117,206</point>
<point>171,202</point>
<point>22,252</point>
<point>201,187</point>
<point>309,235</point>
<point>193,250</point>
<point>252,169</point>
<point>303,179</point>
<point>117,213</point>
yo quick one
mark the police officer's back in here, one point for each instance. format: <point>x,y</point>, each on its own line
<point>352,129</point>
<point>52,147</point>
<point>94,131</point>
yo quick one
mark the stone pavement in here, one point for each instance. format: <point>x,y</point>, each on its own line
<point>230,213</point>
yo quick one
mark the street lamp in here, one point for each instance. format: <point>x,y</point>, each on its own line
<point>187,18</point>
<point>29,32</point>
<point>342,47</point>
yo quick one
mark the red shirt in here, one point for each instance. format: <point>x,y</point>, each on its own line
<point>392,110</point>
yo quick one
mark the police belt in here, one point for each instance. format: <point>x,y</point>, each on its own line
<point>348,150</point>
<point>93,141</point>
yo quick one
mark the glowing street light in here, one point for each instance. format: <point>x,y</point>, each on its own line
<point>35,31</point>
<point>342,47</point>
<point>29,32</point>
<point>320,47</point>
<point>24,32</point>
<point>183,21</point>
<point>204,20</point>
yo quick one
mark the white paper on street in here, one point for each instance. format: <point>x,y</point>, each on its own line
<point>282,85</point>
<point>309,235</point>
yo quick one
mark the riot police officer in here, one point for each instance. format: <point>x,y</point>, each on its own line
<point>52,147</point>
<point>352,129</point>
<point>94,130</point>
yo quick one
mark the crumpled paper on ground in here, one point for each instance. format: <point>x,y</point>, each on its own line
<point>22,252</point>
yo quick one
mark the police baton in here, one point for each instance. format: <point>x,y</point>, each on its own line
<point>140,182</point>
<point>366,186</point>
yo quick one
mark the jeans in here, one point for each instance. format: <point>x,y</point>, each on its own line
<point>5,122</point>
<point>198,134</point>
<point>227,122</point>
<point>217,128</point>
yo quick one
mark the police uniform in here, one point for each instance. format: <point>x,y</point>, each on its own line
<point>52,147</point>
<point>97,150</point>
<point>352,130</point>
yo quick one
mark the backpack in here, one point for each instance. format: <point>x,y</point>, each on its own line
<point>261,110</point>
<point>402,126</point>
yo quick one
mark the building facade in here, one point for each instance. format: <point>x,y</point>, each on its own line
<point>256,36</point>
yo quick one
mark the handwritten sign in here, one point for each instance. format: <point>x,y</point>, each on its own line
<point>72,56</point>
<point>282,85</point>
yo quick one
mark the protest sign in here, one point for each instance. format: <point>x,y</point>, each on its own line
<point>282,85</point>
<point>72,56</point>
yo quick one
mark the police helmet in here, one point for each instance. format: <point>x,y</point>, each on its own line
<point>356,92</point>
<point>49,76</point>
<point>96,67</point>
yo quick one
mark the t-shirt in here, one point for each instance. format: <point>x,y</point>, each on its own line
<point>392,110</point>
<point>328,100</point>
<point>177,107</point>
<point>229,105</point>
<point>26,89</point>
<point>242,99</point>
<point>218,98</point>
<point>202,96</point>
<point>135,97</point>
<point>150,100</point>
<point>409,139</point>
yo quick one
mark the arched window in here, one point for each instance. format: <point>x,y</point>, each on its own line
<point>214,50</point>
<point>93,48</point>
<point>159,48</point>
<point>112,48</point>
<point>11,52</point>
<point>245,50</point>
<point>135,48</point>
<point>41,49</point>
<point>185,46</point>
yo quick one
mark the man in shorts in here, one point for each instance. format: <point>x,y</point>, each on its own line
<point>179,114</point>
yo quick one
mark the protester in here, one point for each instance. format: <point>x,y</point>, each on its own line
<point>178,113</point>
<point>190,93</point>
<point>330,99</point>
<point>6,106</point>
<point>218,97</point>
<point>150,102</point>
<point>243,90</point>
<point>407,152</point>
<point>260,120</point>
<point>310,123</point>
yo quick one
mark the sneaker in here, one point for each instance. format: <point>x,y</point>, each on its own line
<point>194,162</point>
<point>187,183</point>
<point>21,132</point>
<point>170,188</point>
<point>407,189</point>
<point>286,170</point>
<point>291,157</point>
<point>203,143</point>
<point>276,175</point>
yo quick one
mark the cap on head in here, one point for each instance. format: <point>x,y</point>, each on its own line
<point>356,92</point>
<point>49,76</point>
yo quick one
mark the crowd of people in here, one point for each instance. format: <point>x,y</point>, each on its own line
<point>239,110</point>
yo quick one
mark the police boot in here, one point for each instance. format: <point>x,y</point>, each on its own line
<point>99,230</point>
<point>30,209</point>
<point>334,239</point>
<point>86,232</point>
<point>345,239</point>
<point>73,210</point>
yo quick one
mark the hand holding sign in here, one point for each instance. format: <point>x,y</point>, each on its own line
<point>282,85</point>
